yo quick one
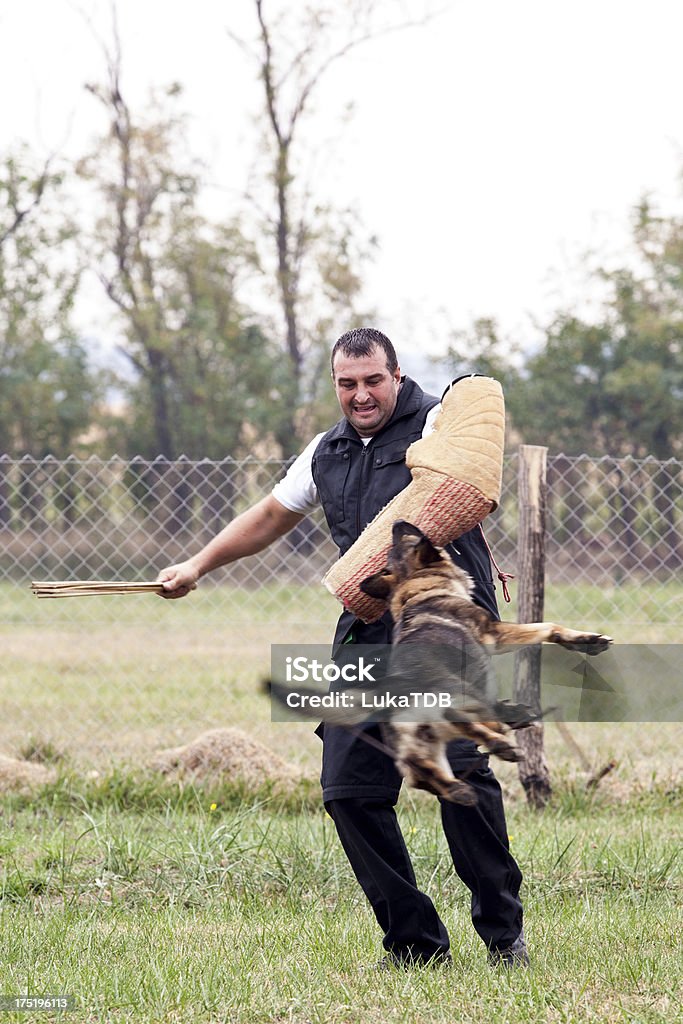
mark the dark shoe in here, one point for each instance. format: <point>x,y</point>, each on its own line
<point>515,955</point>
<point>392,962</point>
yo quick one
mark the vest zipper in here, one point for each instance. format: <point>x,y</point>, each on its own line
<point>361,482</point>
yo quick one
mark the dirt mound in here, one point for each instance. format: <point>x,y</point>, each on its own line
<point>231,755</point>
<point>22,776</point>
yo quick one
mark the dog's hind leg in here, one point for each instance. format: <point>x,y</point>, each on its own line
<point>426,775</point>
<point>505,751</point>
<point>421,759</point>
<point>461,792</point>
<point>490,736</point>
<point>466,722</point>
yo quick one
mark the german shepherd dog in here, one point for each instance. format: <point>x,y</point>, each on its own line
<point>441,644</point>
<point>444,639</point>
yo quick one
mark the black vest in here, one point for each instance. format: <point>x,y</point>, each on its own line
<point>355,481</point>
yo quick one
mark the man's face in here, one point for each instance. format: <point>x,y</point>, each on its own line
<point>366,390</point>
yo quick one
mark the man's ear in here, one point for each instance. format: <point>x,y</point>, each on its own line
<point>380,585</point>
<point>426,553</point>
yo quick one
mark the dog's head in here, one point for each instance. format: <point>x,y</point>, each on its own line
<point>412,555</point>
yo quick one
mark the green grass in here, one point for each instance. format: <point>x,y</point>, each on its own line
<point>148,905</point>
<point>132,894</point>
<point>118,677</point>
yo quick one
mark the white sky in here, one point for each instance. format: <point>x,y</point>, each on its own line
<point>487,152</point>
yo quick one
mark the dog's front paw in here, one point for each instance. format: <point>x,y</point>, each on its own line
<point>599,643</point>
<point>590,643</point>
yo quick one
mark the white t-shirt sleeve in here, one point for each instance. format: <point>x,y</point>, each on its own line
<point>297,490</point>
<point>429,422</point>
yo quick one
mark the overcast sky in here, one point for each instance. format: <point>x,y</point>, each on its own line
<point>487,151</point>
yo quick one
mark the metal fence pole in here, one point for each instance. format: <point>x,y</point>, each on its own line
<point>534,772</point>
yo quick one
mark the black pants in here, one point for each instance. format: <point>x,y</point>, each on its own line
<point>360,789</point>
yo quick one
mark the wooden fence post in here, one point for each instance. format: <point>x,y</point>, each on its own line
<point>534,772</point>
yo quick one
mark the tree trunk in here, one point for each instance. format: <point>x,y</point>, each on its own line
<point>666,493</point>
<point>627,539</point>
<point>160,410</point>
<point>31,496</point>
<point>5,509</point>
<point>217,488</point>
<point>288,281</point>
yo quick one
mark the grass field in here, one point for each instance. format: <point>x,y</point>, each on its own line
<point>147,904</point>
<point>117,677</point>
<point>152,901</point>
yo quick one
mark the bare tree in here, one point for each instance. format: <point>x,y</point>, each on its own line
<point>173,276</point>
<point>293,51</point>
<point>140,176</point>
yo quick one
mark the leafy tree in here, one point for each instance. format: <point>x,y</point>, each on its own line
<point>559,398</point>
<point>614,387</point>
<point>47,389</point>
<point>481,349</point>
<point>200,362</point>
<point>647,378</point>
<point>610,386</point>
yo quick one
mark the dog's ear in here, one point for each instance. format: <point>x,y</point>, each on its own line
<point>403,529</point>
<point>426,553</point>
<point>380,585</point>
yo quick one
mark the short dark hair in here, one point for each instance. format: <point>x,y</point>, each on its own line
<point>362,342</point>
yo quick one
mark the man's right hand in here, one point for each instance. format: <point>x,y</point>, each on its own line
<point>178,580</point>
<point>250,532</point>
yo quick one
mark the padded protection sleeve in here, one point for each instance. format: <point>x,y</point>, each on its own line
<point>456,481</point>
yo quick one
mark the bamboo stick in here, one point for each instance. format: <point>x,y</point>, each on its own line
<point>91,588</point>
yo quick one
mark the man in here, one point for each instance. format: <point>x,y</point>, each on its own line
<point>353,470</point>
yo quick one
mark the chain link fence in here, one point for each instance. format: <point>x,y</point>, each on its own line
<point>122,675</point>
<point>116,520</point>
